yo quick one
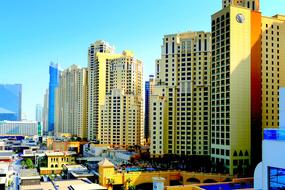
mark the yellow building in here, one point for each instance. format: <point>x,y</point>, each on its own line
<point>98,53</point>
<point>180,103</point>
<point>115,96</point>
<point>109,177</point>
<point>273,69</point>
<point>56,160</point>
<point>245,82</point>
<point>123,102</point>
<point>71,102</point>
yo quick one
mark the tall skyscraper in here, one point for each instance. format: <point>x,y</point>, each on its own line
<point>39,113</point>
<point>246,69</point>
<point>45,113</point>
<point>121,113</point>
<point>53,84</point>
<point>10,102</point>
<point>71,102</point>
<point>180,103</point>
<point>114,78</point>
<point>98,53</point>
<point>149,85</point>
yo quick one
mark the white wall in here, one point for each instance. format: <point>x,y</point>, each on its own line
<point>273,155</point>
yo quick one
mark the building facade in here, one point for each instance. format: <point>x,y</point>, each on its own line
<point>56,161</point>
<point>53,84</point>
<point>98,53</point>
<point>121,113</point>
<point>26,128</point>
<point>245,82</point>
<point>114,81</point>
<point>10,102</point>
<point>149,86</point>
<point>180,104</point>
<point>270,173</point>
<point>71,102</point>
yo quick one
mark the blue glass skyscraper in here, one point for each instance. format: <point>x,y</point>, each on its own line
<point>53,84</point>
<point>10,102</point>
<point>148,91</point>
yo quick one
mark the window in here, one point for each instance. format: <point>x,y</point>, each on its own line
<point>276,178</point>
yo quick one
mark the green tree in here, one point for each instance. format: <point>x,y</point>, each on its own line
<point>30,164</point>
<point>42,161</point>
<point>23,164</point>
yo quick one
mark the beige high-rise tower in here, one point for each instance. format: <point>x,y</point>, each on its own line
<point>115,96</point>
<point>71,102</point>
<point>180,103</point>
<point>121,114</point>
<point>98,53</point>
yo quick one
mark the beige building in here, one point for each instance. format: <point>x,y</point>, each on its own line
<point>121,114</point>
<point>98,53</point>
<point>180,103</point>
<point>273,67</point>
<point>115,96</point>
<point>71,102</point>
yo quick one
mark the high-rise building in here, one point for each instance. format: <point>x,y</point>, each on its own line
<point>39,113</point>
<point>53,84</point>
<point>180,103</point>
<point>45,113</point>
<point>149,85</point>
<point>71,102</point>
<point>121,114</point>
<point>10,102</point>
<point>273,69</point>
<point>247,51</point>
<point>98,53</point>
<point>112,77</point>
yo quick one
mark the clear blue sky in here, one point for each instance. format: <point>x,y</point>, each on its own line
<point>35,32</point>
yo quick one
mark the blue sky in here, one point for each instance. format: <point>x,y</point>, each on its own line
<point>35,32</point>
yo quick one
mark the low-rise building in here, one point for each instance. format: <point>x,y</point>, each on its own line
<point>95,149</point>
<point>29,177</point>
<point>6,174</point>
<point>270,173</point>
<point>77,172</point>
<point>26,128</point>
<point>6,156</point>
<point>56,160</point>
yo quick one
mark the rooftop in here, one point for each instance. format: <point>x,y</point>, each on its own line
<point>29,174</point>
<point>75,167</point>
<point>106,162</point>
<point>62,153</point>
<point>88,187</point>
<point>78,184</point>
<point>41,186</point>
